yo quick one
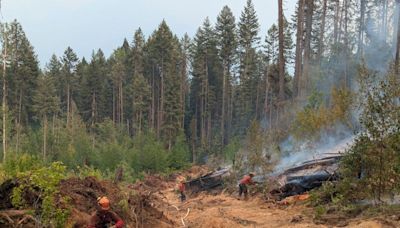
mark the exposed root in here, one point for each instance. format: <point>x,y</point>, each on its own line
<point>175,207</point>
<point>183,219</point>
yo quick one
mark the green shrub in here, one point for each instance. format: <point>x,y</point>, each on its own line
<point>178,158</point>
<point>151,155</point>
<point>44,181</point>
<point>20,164</point>
<point>88,171</point>
<point>317,116</point>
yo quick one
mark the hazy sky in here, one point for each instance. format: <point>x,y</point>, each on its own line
<point>52,25</point>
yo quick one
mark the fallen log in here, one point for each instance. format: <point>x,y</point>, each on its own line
<point>17,217</point>
<point>309,175</point>
<point>207,182</point>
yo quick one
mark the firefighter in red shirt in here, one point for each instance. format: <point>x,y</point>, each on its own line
<point>181,189</point>
<point>246,180</point>
<point>104,217</point>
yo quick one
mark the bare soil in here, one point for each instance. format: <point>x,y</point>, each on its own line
<point>154,202</point>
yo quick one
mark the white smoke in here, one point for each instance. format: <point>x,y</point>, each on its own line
<point>294,155</point>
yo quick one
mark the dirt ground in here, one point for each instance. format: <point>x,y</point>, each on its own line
<point>154,202</point>
<point>225,211</point>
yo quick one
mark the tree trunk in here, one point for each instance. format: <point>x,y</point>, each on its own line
<point>193,129</point>
<point>384,18</point>
<point>113,105</point>
<point>230,108</point>
<point>346,43</point>
<point>336,22</point>
<point>18,122</point>
<point>266,98</point>
<point>44,137</point>
<point>140,122</point>
<point>397,59</point>
<point>93,110</point>
<point>361,30</point>
<point>281,54</point>
<point>322,32</point>
<point>68,104</point>
<point>341,19</point>
<point>161,110</point>
<point>299,49</point>
<point>152,111</point>
<point>4,108</point>
<point>307,45</point>
<point>202,114</point>
<point>223,103</point>
<point>121,102</point>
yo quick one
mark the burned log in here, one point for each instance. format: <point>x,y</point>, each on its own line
<point>307,176</point>
<point>207,182</point>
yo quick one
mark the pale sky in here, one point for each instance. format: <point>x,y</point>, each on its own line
<point>52,25</point>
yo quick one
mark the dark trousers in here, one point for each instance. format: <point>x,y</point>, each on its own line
<point>183,196</point>
<point>242,190</point>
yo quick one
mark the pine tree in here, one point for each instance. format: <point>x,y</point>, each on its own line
<point>248,42</point>
<point>82,71</point>
<point>227,45</point>
<point>141,101</point>
<point>98,90</point>
<point>22,78</point>
<point>119,77</point>
<point>68,79</point>
<point>46,104</point>
<point>164,57</point>
<point>140,117</point>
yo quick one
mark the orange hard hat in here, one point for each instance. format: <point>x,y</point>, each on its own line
<point>104,202</point>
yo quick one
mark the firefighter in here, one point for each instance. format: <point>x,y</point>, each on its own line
<point>246,180</point>
<point>181,188</point>
<point>104,217</point>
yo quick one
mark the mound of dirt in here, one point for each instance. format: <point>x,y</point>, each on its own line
<point>134,205</point>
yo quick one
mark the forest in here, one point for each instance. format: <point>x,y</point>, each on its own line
<point>228,96</point>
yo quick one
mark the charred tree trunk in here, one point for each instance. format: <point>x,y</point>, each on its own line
<point>281,54</point>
